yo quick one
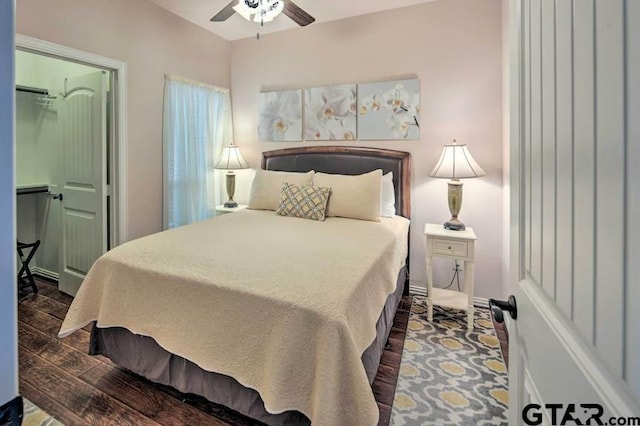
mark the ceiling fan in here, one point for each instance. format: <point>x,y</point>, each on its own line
<point>262,11</point>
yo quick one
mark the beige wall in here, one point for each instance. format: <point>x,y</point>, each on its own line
<point>152,42</point>
<point>455,48</point>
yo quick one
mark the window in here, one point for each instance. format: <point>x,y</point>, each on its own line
<point>196,124</point>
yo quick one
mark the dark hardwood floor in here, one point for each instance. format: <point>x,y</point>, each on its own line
<point>78,389</point>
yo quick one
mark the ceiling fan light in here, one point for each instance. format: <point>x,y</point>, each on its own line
<point>266,11</point>
<point>277,7</point>
<point>242,10</point>
<point>262,18</point>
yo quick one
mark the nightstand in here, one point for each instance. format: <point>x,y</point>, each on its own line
<point>459,245</point>
<point>221,209</point>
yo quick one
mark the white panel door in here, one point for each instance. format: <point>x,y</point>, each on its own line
<point>574,343</point>
<point>83,171</point>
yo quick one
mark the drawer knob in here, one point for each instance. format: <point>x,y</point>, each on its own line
<point>449,247</point>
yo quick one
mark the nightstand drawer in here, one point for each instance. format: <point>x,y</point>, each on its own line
<point>450,248</point>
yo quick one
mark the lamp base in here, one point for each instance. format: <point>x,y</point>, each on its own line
<point>231,188</point>
<point>455,202</point>
<point>454,225</point>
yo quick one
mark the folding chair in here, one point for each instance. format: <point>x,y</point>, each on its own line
<point>24,276</point>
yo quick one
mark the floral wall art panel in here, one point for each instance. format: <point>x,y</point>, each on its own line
<point>389,110</point>
<point>280,116</point>
<point>330,113</point>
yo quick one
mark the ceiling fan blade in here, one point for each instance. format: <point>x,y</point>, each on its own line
<point>225,13</point>
<point>298,15</point>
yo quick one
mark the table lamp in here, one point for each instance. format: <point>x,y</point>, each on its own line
<point>231,160</point>
<point>456,163</point>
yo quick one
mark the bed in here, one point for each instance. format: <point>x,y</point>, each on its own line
<point>283,339</point>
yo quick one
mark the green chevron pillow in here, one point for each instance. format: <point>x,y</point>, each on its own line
<point>305,201</point>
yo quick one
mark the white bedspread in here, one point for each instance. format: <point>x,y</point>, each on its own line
<point>284,305</point>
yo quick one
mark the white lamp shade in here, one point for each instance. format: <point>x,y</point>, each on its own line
<point>456,162</point>
<point>230,159</point>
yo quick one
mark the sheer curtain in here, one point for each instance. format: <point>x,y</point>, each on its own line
<point>196,124</point>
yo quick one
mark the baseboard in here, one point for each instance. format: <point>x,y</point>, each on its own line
<point>477,301</point>
<point>45,273</point>
<point>481,302</point>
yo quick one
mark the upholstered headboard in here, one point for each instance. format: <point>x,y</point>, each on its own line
<point>348,160</point>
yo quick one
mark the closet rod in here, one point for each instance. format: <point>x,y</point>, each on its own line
<point>32,90</point>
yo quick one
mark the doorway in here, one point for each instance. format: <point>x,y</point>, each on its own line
<point>69,157</point>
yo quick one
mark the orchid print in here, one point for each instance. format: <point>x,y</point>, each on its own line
<point>280,117</point>
<point>389,110</point>
<point>330,113</point>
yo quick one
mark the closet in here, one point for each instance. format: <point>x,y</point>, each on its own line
<point>62,125</point>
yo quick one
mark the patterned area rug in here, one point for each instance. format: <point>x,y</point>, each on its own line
<point>34,416</point>
<point>449,376</point>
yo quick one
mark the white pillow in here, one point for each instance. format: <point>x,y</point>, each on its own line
<point>267,184</point>
<point>355,197</point>
<point>387,196</point>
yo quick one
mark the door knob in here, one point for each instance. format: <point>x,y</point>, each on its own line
<point>499,306</point>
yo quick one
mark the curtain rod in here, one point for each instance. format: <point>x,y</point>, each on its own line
<point>194,82</point>
<point>32,90</point>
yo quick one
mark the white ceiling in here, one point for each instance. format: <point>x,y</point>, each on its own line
<point>200,11</point>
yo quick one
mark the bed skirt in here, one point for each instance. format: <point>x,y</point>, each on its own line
<point>143,356</point>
